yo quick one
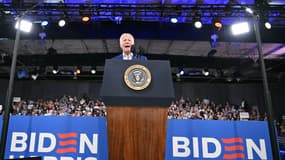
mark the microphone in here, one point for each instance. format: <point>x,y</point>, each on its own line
<point>140,52</point>
<point>133,49</point>
<point>136,53</point>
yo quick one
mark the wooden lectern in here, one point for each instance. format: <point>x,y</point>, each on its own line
<point>137,119</point>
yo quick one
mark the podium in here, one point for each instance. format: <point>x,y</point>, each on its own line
<point>137,118</point>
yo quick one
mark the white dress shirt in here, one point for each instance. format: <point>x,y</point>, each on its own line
<point>128,57</point>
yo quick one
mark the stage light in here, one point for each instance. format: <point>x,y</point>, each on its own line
<point>267,25</point>
<point>85,19</point>
<point>205,72</point>
<point>55,70</point>
<point>181,72</point>
<point>198,24</point>
<point>249,10</point>
<point>217,23</point>
<point>7,12</point>
<point>173,20</point>
<point>62,22</point>
<point>93,70</point>
<point>240,28</point>
<point>85,13</point>
<point>44,23</point>
<point>197,21</point>
<point>35,74</point>
<point>25,26</point>
<point>78,70</point>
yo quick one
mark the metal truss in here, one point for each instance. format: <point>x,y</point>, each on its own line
<point>141,12</point>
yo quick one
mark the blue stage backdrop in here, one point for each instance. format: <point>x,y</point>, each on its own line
<point>56,137</point>
<point>209,140</point>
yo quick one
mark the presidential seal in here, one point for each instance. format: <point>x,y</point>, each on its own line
<point>137,77</point>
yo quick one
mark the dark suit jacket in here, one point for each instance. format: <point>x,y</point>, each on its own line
<point>135,57</point>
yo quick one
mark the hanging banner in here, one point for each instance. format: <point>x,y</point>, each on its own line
<point>57,138</point>
<point>211,140</point>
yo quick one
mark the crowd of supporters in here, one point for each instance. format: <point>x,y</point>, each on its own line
<point>183,108</point>
<point>63,106</point>
<point>205,109</point>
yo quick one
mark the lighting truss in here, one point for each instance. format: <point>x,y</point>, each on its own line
<point>144,12</point>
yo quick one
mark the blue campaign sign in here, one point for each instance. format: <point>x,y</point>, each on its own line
<point>57,137</point>
<point>209,140</point>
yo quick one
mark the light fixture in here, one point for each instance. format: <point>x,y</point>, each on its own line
<point>173,20</point>
<point>84,13</point>
<point>35,74</point>
<point>267,25</point>
<point>78,70</point>
<point>55,70</point>
<point>44,23</point>
<point>93,70</point>
<point>25,26</point>
<point>205,72</point>
<point>198,24</point>
<point>61,22</point>
<point>240,28</point>
<point>197,21</point>
<point>85,19</point>
<point>217,23</point>
<point>249,10</point>
<point>181,72</point>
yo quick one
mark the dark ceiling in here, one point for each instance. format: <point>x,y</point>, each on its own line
<point>234,59</point>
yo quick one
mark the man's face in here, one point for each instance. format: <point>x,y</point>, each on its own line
<point>126,43</point>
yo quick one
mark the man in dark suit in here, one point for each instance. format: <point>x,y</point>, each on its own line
<point>127,41</point>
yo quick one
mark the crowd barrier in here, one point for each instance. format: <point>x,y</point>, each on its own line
<point>85,138</point>
<point>57,137</point>
<point>196,139</point>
